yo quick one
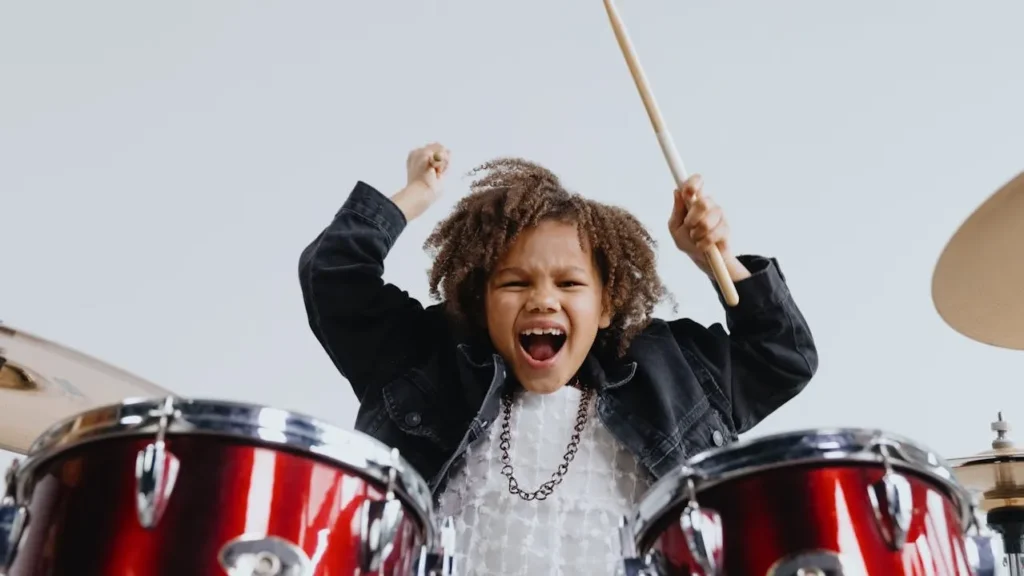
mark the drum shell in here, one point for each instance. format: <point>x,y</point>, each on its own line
<point>83,513</point>
<point>858,500</point>
<point>777,514</point>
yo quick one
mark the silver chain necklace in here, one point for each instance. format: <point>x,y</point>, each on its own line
<point>548,487</point>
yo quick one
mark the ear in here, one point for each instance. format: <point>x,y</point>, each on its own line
<point>606,315</point>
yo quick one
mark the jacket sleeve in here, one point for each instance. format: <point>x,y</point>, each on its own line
<point>367,327</point>
<point>768,354</point>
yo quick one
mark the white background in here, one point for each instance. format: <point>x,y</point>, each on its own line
<point>162,166</point>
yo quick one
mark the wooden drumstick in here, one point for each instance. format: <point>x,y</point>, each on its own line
<point>668,147</point>
<point>436,162</point>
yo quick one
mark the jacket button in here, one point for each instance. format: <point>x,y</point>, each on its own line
<point>413,419</point>
<point>717,438</point>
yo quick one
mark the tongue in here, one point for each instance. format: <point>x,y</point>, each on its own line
<point>541,348</point>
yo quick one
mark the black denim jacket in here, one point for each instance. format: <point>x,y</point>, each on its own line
<point>429,391</point>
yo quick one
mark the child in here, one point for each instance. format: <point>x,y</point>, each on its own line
<point>540,397</point>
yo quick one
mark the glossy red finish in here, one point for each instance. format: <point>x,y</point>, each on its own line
<point>83,516</point>
<point>776,514</point>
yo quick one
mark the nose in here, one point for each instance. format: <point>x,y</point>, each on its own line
<point>543,301</point>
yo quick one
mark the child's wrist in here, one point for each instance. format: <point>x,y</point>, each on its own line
<point>413,200</point>
<point>737,271</point>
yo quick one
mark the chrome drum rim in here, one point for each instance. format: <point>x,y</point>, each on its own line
<point>261,426</point>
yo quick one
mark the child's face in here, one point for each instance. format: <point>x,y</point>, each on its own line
<point>545,304</point>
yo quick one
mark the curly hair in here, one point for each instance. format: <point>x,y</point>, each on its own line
<point>514,195</point>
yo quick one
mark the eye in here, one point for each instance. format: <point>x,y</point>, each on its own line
<point>570,284</point>
<point>513,284</point>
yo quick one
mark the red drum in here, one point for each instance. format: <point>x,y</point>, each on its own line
<point>817,502</point>
<point>210,488</point>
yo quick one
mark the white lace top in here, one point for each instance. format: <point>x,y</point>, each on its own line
<point>574,531</point>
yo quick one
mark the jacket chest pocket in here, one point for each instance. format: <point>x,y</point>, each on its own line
<point>413,424</point>
<point>708,431</point>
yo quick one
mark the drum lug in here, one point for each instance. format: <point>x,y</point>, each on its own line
<point>631,564</point>
<point>380,523</point>
<point>439,560</point>
<point>703,530</point>
<point>892,501</point>
<point>156,470</point>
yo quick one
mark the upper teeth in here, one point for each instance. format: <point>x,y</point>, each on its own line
<point>539,331</point>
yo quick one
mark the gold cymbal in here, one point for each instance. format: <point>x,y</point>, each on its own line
<point>996,474</point>
<point>42,383</point>
<point>976,286</point>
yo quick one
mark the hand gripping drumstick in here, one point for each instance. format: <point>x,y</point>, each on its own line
<point>435,161</point>
<point>675,164</point>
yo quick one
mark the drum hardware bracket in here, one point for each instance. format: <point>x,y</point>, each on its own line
<point>18,523</point>
<point>380,522</point>
<point>13,520</point>
<point>702,528</point>
<point>631,564</point>
<point>893,492</point>
<point>634,567</point>
<point>981,556</point>
<point>156,470</point>
<point>439,560</point>
<point>250,555</point>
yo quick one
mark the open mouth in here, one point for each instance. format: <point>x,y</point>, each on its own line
<point>542,344</point>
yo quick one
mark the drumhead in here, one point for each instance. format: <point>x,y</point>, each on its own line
<point>834,446</point>
<point>260,425</point>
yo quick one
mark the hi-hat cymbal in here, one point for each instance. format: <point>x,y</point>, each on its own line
<point>977,282</point>
<point>996,474</point>
<point>42,383</point>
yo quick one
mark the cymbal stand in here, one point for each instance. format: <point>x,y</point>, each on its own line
<point>1008,521</point>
